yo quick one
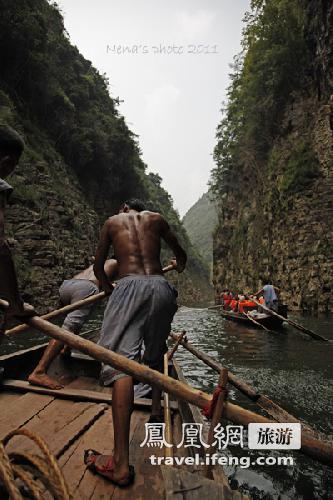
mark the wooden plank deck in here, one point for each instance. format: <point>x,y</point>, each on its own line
<point>69,428</point>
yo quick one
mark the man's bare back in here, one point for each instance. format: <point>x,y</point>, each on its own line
<point>140,309</point>
<point>136,240</point>
<point>110,268</point>
<point>86,274</point>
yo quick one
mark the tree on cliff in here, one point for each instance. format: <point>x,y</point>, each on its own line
<point>273,64</point>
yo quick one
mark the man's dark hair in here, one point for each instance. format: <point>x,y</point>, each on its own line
<point>136,204</point>
<point>10,141</point>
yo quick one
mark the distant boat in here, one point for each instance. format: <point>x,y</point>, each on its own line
<point>263,319</point>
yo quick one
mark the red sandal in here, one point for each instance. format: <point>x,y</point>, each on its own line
<point>107,469</point>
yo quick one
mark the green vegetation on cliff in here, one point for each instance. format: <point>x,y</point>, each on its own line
<point>273,65</point>
<point>200,222</point>
<point>274,153</point>
<point>81,159</point>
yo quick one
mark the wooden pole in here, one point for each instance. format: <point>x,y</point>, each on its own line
<point>255,322</point>
<point>274,410</point>
<point>293,323</point>
<point>217,415</point>
<point>92,299</point>
<point>167,413</point>
<point>177,344</point>
<point>317,449</point>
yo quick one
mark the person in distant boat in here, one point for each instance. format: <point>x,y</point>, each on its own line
<point>140,309</point>
<point>11,148</point>
<point>269,292</point>
<point>226,299</point>
<point>245,305</point>
<point>234,303</point>
<point>81,286</point>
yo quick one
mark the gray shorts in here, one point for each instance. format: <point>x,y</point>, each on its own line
<point>140,309</point>
<point>72,291</point>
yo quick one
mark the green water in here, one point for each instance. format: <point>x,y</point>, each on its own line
<point>293,370</point>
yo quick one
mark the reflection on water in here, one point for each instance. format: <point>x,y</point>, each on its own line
<point>292,369</point>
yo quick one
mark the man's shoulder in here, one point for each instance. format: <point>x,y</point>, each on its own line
<point>112,219</point>
<point>153,215</point>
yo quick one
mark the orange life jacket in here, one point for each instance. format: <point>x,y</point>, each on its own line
<point>233,304</point>
<point>246,303</point>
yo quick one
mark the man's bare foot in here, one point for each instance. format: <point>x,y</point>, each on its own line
<point>105,466</point>
<point>44,380</point>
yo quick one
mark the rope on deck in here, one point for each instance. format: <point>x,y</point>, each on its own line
<point>35,472</point>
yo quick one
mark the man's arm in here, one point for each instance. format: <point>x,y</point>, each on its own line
<point>8,280</point>
<point>9,287</point>
<point>173,243</point>
<point>101,256</point>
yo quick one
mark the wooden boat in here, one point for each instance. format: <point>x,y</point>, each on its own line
<point>79,417</point>
<point>252,317</point>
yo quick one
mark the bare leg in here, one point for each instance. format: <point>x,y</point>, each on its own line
<point>122,406</point>
<point>156,407</point>
<point>156,394</point>
<point>39,376</point>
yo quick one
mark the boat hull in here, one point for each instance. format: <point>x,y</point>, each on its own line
<point>79,417</point>
<point>267,320</point>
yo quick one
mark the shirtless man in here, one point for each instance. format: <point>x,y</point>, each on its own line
<point>81,286</point>
<point>11,148</point>
<point>141,308</point>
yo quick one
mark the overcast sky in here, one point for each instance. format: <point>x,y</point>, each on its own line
<point>171,100</point>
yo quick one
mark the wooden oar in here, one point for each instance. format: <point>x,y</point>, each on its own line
<point>58,312</point>
<point>317,449</point>
<point>92,299</point>
<point>167,413</point>
<point>175,347</point>
<point>273,409</point>
<point>293,323</point>
<point>255,322</point>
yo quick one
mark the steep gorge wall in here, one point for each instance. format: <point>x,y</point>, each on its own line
<point>80,162</point>
<point>277,220</point>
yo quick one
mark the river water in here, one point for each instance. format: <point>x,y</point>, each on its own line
<point>293,370</point>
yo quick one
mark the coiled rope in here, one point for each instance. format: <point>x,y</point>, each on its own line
<point>36,473</point>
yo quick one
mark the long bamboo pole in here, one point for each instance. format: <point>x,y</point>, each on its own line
<point>88,301</point>
<point>274,410</point>
<point>293,323</point>
<point>217,416</point>
<point>317,449</point>
<point>256,322</point>
<point>167,413</point>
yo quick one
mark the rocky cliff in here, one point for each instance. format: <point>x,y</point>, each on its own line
<point>273,179</point>
<point>200,221</point>
<point>80,163</point>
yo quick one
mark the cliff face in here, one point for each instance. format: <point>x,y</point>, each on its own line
<point>80,163</point>
<point>276,209</point>
<point>200,222</point>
